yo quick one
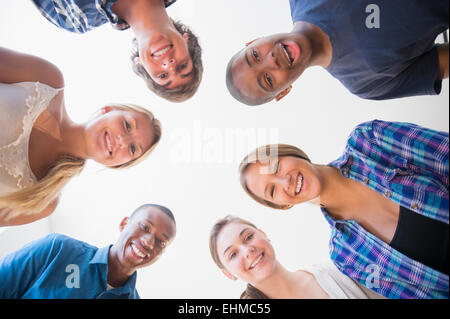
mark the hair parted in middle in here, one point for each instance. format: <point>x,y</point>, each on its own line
<point>264,153</point>
<point>250,292</point>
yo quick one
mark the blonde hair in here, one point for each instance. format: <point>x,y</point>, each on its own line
<point>250,292</point>
<point>264,153</point>
<point>35,198</point>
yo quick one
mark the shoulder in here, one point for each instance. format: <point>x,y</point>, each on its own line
<point>62,243</point>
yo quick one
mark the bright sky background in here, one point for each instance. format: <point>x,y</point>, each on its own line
<point>202,185</point>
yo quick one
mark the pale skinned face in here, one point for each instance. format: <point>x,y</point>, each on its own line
<point>165,57</point>
<point>284,181</point>
<point>268,66</point>
<point>245,252</point>
<point>143,238</point>
<point>117,136</point>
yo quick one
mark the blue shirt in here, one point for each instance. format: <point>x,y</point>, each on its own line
<point>409,165</point>
<point>81,16</point>
<point>60,267</point>
<point>397,59</point>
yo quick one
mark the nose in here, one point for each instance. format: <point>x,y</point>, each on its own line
<point>250,251</point>
<point>169,64</point>
<point>148,240</point>
<point>122,140</point>
<point>272,61</point>
<point>284,181</point>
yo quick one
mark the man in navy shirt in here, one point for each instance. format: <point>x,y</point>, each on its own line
<point>60,267</point>
<point>165,54</point>
<point>377,51</point>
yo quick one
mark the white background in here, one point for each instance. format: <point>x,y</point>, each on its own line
<point>317,116</point>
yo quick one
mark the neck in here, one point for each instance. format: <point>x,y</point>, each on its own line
<point>143,16</point>
<point>117,274</point>
<point>318,41</point>
<point>72,140</point>
<point>281,284</point>
<point>337,192</point>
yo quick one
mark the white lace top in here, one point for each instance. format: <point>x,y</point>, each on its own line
<point>339,286</point>
<point>20,105</point>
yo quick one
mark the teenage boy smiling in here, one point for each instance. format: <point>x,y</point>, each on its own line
<point>60,267</point>
<point>167,54</point>
<point>396,58</point>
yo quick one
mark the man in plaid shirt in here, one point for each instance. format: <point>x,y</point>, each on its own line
<point>166,54</point>
<point>409,165</point>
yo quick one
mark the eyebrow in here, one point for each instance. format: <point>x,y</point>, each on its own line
<point>186,75</point>
<point>166,85</point>
<point>135,128</point>
<point>240,235</point>
<point>247,59</point>
<point>265,191</point>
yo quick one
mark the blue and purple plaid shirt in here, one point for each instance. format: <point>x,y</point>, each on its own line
<point>408,164</point>
<point>80,16</point>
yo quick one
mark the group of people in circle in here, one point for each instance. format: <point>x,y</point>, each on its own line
<point>385,198</point>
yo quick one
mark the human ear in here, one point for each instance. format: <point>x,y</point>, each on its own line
<point>123,223</point>
<point>283,93</point>
<point>106,109</point>
<point>137,61</point>
<point>230,276</point>
<point>185,36</point>
<point>248,43</point>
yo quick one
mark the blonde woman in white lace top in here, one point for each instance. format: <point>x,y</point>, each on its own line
<point>41,148</point>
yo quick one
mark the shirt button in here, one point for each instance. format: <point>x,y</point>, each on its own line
<point>345,170</point>
<point>366,181</point>
<point>387,194</point>
<point>414,206</point>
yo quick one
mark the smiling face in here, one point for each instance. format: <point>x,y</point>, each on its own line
<point>245,252</point>
<point>267,67</point>
<point>165,57</point>
<point>284,181</point>
<point>117,136</point>
<point>143,238</point>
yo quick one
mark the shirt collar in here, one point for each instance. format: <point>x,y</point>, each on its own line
<point>129,288</point>
<point>101,257</point>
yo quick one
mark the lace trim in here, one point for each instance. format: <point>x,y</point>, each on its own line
<point>14,156</point>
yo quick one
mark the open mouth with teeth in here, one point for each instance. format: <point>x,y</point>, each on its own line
<point>257,261</point>
<point>291,51</point>
<point>299,184</point>
<point>138,252</point>
<point>161,51</point>
<point>108,143</point>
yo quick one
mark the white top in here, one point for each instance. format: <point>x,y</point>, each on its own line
<point>20,105</point>
<point>339,286</point>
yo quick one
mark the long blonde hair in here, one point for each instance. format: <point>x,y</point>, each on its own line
<point>263,153</point>
<point>35,198</point>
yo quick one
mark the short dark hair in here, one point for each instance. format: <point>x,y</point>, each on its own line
<point>181,93</point>
<point>236,93</point>
<point>164,209</point>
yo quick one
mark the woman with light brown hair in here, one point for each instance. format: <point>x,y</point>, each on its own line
<point>385,198</point>
<point>242,251</point>
<point>41,148</point>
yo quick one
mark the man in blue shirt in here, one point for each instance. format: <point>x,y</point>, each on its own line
<point>166,54</point>
<point>60,267</point>
<point>377,51</point>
